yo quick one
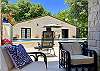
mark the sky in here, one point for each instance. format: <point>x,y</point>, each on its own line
<point>54,6</point>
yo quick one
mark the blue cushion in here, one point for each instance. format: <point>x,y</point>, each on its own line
<point>19,56</point>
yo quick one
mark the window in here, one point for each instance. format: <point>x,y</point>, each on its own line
<point>25,33</point>
<point>65,33</point>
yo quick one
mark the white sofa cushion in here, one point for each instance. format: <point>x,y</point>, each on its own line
<point>67,47</point>
<point>76,49</point>
<point>3,65</point>
<point>7,58</point>
<point>34,66</point>
<point>81,59</point>
<point>73,48</point>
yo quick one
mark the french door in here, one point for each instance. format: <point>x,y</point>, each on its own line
<point>25,33</point>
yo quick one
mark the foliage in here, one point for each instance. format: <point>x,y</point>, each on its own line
<point>4,6</point>
<point>37,10</point>
<point>76,15</point>
<point>23,10</point>
<point>6,1</point>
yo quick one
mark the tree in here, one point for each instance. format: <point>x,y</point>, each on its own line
<point>4,6</point>
<point>7,10</point>
<point>77,15</point>
<point>4,1</point>
<point>36,10</point>
<point>24,10</point>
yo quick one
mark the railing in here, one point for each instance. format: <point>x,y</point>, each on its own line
<point>55,40</point>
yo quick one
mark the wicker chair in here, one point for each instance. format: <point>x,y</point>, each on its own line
<point>71,55</point>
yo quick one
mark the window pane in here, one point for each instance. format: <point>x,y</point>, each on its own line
<point>26,32</point>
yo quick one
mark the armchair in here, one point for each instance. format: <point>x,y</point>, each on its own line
<point>71,55</point>
<point>6,63</point>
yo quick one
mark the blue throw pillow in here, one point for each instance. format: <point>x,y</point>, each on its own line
<point>19,56</point>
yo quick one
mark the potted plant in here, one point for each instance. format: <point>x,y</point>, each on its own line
<point>6,41</point>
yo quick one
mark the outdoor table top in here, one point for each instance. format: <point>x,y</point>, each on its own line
<point>71,41</point>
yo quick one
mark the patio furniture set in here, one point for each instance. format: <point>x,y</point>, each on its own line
<point>71,55</point>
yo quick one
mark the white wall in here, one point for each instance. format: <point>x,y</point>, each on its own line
<point>36,31</point>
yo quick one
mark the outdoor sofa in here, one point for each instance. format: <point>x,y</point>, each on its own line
<point>6,63</point>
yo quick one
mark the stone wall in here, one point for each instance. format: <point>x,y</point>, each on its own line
<point>94,26</point>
